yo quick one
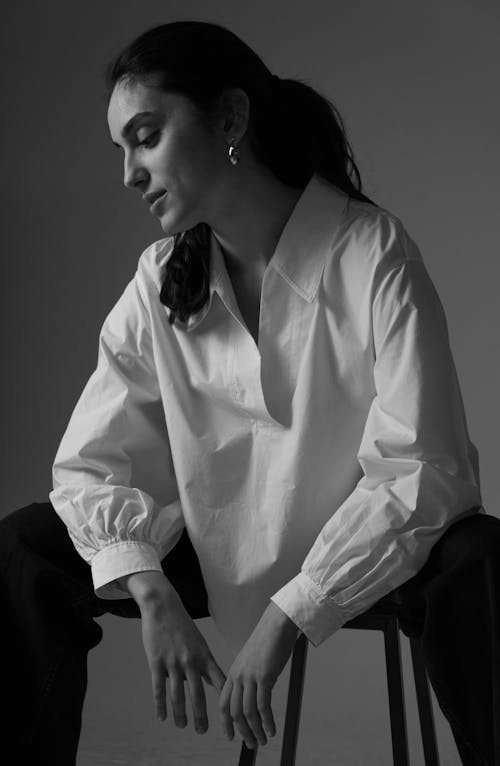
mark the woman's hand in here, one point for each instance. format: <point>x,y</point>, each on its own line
<point>176,652</point>
<point>246,696</point>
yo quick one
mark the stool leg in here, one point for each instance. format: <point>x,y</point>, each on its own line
<point>294,702</point>
<point>396,693</point>
<point>424,702</point>
<point>248,755</point>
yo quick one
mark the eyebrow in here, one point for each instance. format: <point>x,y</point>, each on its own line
<point>132,124</point>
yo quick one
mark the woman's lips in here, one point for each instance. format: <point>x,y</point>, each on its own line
<point>153,208</point>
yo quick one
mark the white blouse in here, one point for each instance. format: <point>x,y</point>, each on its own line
<point>316,469</point>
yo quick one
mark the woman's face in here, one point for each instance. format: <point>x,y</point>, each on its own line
<point>169,150</point>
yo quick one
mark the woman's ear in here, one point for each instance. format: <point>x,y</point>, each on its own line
<point>235,112</point>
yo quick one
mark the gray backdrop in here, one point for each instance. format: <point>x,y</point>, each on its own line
<point>417,86</point>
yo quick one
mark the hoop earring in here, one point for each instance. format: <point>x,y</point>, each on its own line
<point>234,155</point>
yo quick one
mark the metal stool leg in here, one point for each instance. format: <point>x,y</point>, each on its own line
<point>396,701</point>
<point>396,693</point>
<point>424,702</point>
<point>294,702</point>
<point>248,756</point>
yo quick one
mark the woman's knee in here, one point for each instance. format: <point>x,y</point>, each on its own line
<point>14,521</point>
<point>36,530</point>
<point>470,539</point>
<point>11,530</point>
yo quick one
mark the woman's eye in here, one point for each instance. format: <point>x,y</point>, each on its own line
<point>149,140</point>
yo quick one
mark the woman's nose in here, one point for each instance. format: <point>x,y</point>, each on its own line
<point>133,173</point>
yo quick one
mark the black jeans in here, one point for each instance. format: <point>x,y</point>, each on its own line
<point>49,605</point>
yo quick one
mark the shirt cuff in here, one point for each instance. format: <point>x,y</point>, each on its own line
<point>118,560</point>
<point>314,613</point>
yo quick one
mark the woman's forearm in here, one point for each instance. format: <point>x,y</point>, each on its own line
<point>149,587</point>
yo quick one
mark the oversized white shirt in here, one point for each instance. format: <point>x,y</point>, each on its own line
<point>316,469</point>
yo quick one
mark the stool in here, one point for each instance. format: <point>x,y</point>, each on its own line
<point>381,616</point>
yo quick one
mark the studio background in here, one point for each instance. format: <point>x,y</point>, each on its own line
<point>417,86</point>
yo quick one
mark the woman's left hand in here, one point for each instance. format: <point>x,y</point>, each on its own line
<point>245,699</point>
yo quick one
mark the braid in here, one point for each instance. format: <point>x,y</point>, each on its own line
<point>185,284</point>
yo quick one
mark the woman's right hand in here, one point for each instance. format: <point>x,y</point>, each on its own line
<point>177,652</point>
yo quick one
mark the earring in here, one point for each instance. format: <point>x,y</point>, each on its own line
<point>234,154</point>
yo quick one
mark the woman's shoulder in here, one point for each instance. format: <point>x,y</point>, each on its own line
<point>152,261</point>
<point>374,235</point>
<point>369,241</point>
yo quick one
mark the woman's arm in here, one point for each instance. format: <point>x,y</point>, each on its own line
<point>114,482</point>
<point>147,587</point>
<point>420,469</point>
<point>115,489</point>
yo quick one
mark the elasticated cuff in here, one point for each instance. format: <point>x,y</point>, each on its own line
<point>309,608</point>
<point>120,559</point>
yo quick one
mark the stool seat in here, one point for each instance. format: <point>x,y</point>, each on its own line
<point>381,616</point>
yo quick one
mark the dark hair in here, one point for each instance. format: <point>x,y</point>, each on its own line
<point>295,131</point>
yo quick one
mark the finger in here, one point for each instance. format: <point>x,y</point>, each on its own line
<point>251,713</point>
<point>224,712</point>
<point>159,694</point>
<point>236,709</point>
<point>198,701</point>
<point>214,676</point>
<point>178,698</point>
<point>264,708</point>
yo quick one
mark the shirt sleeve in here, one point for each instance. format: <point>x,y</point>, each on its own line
<point>114,484</point>
<point>420,469</point>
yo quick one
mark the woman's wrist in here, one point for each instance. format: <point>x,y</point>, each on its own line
<point>282,620</point>
<point>148,587</point>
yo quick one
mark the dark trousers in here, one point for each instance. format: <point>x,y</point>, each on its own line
<point>49,605</point>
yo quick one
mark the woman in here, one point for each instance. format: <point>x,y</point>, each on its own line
<point>274,434</point>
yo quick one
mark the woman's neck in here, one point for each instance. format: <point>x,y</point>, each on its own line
<point>250,227</point>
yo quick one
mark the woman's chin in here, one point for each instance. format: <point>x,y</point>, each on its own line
<point>173,226</point>
<point>169,228</point>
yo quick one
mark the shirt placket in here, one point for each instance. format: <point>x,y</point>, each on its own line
<point>245,376</point>
<point>246,387</point>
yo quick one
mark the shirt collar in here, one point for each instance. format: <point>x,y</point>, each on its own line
<point>302,248</point>
<point>308,236</point>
